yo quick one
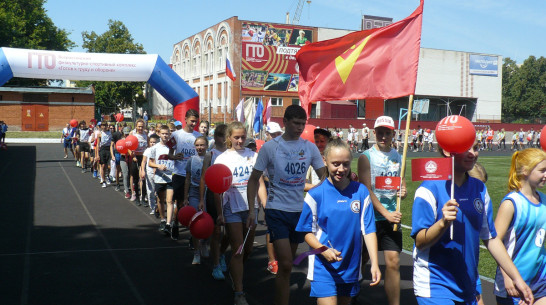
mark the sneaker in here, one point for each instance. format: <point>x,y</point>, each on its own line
<point>137,202</point>
<point>240,299</point>
<point>133,197</point>
<point>112,178</point>
<point>117,188</point>
<point>162,226</point>
<point>175,233</point>
<point>108,180</point>
<point>127,195</point>
<point>223,264</point>
<point>101,181</point>
<point>152,212</point>
<point>217,273</point>
<point>273,267</point>
<point>103,184</point>
<point>84,170</point>
<point>167,229</point>
<point>78,164</point>
<point>196,259</point>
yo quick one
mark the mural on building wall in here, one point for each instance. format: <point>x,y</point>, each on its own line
<point>269,56</point>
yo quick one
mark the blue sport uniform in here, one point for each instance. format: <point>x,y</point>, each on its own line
<point>337,218</point>
<point>524,241</point>
<point>448,270</point>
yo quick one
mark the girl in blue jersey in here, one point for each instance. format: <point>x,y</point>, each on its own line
<point>445,270</point>
<point>191,187</point>
<point>521,224</point>
<point>334,215</point>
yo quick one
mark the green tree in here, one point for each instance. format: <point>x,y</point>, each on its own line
<point>25,24</point>
<point>111,96</point>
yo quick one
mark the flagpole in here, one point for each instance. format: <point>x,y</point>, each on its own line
<point>404,154</point>
<point>452,190</point>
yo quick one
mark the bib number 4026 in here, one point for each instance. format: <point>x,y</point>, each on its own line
<point>295,168</point>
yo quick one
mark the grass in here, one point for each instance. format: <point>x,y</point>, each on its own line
<point>497,169</point>
<point>34,134</point>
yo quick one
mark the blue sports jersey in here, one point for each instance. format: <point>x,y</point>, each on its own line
<point>337,218</point>
<point>449,268</point>
<point>524,241</point>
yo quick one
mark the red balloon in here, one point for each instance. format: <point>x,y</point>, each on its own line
<point>201,225</point>
<point>543,138</point>
<point>309,133</point>
<point>218,178</point>
<point>185,215</point>
<point>119,117</point>
<point>259,144</point>
<point>455,134</point>
<point>120,146</point>
<point>131,142</point>
<point>73,122</point>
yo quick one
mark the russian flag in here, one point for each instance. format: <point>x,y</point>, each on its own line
<point>230,72</point>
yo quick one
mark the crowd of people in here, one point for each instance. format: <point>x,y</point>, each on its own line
<point>345,218</point>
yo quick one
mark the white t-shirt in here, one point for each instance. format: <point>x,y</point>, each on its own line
<point>160,154</point>
<point>142,141</point>
<point>149,170</point>
<point>240,164</point>
<point>287,163</point>
<point>184,145</point>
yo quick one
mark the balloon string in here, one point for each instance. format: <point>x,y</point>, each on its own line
<point>452,191</point>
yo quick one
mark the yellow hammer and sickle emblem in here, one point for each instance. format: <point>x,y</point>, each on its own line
<point>345,66</point>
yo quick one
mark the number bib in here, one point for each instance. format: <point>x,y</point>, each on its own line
<point>291,166</point>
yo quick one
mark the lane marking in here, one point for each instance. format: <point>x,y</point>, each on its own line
<point>109,248</point>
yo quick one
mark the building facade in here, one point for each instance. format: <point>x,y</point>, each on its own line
<point>263,57</point>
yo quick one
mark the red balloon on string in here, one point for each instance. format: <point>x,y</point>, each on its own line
<point>259,144</point>
<point>120,146</point>
<point>119,117</point>
<point>455,134</point>
<point>201,225</point>
<point>218,178</point>
<point>309,133</point>
<point>73,122</point>
<point>185,215</point>
<point>543,138</point>
<point>131,142</point>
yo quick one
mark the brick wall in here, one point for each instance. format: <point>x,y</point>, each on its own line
<point>11,114</point>
<point>60,115</point>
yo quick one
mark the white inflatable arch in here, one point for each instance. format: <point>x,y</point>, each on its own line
<point>149,68</point>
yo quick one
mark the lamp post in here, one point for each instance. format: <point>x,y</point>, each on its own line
<point>134,109</point>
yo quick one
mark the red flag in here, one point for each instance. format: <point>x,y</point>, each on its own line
<point>431,169</point>
<point>387,183</point>
<point>377,63</point>
<point>267,113</point>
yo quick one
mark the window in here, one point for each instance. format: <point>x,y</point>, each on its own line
<point>220,60</point>
<point>296,101</point>
<point>361,106</point>
<point>276,101</point>
<point>206,63</point>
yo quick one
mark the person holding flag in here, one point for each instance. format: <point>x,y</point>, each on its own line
<point>381,160</point>
<point>445,268</point>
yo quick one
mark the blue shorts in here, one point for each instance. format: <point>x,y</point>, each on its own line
<point>194,197</point>
<point>230,217</point>
<point>67,143</point>
<point>438,301</point>
<point>282,225</point>
<point>118,157</point>
<point>329,289</point>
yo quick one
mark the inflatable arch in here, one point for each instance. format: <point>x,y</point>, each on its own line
<point>100,67</point>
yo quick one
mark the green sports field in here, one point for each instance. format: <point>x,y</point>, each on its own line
<point>497,169</point>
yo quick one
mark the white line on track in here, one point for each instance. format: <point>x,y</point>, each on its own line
<point>110,250</point>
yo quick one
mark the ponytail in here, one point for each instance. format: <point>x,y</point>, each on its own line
<point>514,183</point>
<point>523,162</point>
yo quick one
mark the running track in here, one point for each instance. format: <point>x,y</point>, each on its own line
<point>65,240</point>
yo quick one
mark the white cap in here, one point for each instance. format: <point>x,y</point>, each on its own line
<point>363,124</point>
<point>273,127</point>
<point>384,121</point>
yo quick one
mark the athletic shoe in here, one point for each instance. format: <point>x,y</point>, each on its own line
<point>101,181</point>
<point>152,212</point>
<point>84,170</point>
<point>127,195</point>
<point>103,184</point>
<point>167,229</point>
<point>223,264</point>
<point>108,180</point>
<point>138,203</point>
<point>95,174</point>
<point>65,157</point>
<point>117,188</point>
<point>174,232</point>
<point>240,299</point>
<point>217,273</point>
<point>162,226</point>
<point>273,267</point>
<point>78,164</point>
<point>112,178</point>
<point>133,197</point>
<point>196,259</point>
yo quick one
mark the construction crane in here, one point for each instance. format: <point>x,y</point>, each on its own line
<point>297,13</point>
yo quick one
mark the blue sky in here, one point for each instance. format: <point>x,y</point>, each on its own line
<point>509,28</point>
